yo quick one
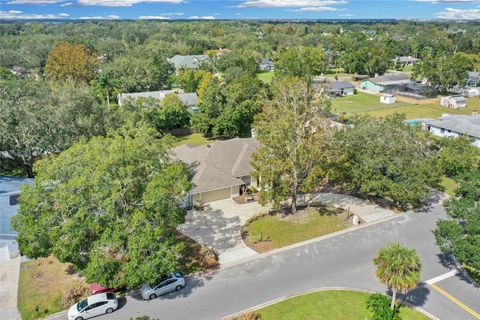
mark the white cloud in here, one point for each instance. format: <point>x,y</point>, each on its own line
<point>34,1</point>
<point>289,3</point>
<point>459,14</point>
<point>19,15</point>
<point>173,14</point>
<point>346,15</point>
<point>67,4</point>
<point>315,9</point>
<point>153,18</point>
<point>122,3</point>
<point>202,17</point>
<point>108,17</point>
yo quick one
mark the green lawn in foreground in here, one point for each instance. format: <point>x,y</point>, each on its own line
<point>449,185</point>
<point>271,232</point>
<point>42,283</point>
<point>266,76</point>
<point>196,139</point>
<point>362,102</point>
<point>328,305</point>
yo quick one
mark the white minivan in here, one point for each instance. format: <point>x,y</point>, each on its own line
<point>93,306</point>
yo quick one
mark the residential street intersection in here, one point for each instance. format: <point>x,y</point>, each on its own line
<point>344,260</point>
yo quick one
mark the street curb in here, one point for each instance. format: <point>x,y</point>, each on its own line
<point>307,242</point>
<point>298,294</point>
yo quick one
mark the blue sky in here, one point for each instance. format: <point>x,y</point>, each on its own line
<point>239,9</point>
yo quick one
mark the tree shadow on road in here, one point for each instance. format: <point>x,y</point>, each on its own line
<point>417,296</point>
<point>448,261</point>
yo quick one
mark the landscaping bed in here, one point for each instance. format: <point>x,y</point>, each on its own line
<point>328,305</point>
<point>271,231</point>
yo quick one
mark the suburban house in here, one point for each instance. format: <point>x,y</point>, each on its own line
<point>9,191</point>
<point>219,170</point>
<point>471,91</point>
<point>388,99</point>
<point>340,88</point>
<point>454,102</point>
<point>473,79</point>
<point>266,65</point>
<point>189,99</point>
<point>404,61</point>
<point>188,62</point>
<point>457,125</point>
<point>386,82</point>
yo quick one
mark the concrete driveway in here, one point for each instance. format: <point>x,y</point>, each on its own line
<point>219,227</point>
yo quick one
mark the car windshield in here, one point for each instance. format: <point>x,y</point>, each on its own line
<point>82,305</point>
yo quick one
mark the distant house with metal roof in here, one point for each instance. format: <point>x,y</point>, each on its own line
<point>188,62</point>
<point>404,61</point>
<point>340,88</point>
<point>218,170</point>
<point>473,79</point>
<point>454,102</point>
<point>382,83</point>
<point>265,65</point>
<point>189,99</point>
<point>456,125</point>
<point>9,192</point>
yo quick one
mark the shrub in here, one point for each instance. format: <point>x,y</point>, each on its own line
<point>249,316</point>
<point>209,258</point>
<point>379,307</point>
<point>72,295</point>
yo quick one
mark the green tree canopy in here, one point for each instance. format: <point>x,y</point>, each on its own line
<point>297,151</point>
<point>457,156</point>
<point>110,206</point>
<point>460,233</point>
<point>298,61</point>
<point>399,268</point>
<point>369,60</point>
<point>388,159</point>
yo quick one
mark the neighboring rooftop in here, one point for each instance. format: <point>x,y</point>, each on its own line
<point>406,59</point>
<point>469,125</point>
<point>189,99</point>
<point>335,86</point>
<point>9,185</point>
<point>218,165</point>
<point>189,62</point>
<point>390,79</point>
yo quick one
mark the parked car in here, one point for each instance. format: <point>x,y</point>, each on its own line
<point>93,306</point>
<point>170,283</point>
<point>96,288</point>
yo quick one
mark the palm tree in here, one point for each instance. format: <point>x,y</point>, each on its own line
<point>399,268</point>
<point>105,86</point>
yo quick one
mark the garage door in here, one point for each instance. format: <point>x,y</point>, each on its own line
<point>216,195</point>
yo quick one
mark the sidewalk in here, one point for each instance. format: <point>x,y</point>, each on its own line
<point>366,210</point>
<point>9,274</point>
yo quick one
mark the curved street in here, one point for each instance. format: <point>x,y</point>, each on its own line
<point>344,260</point>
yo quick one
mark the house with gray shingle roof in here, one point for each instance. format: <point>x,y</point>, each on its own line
<point>188,62</point>
<point>340,88</point>
<point>189,99</point>
<point>457,125</point>
<point>218,170</point>
<point>385,82</point>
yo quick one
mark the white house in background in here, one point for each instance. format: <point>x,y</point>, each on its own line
<point>456,125</point>
<point>266,65</point>
<point>189,99</point>
<point>405,60</point>
<point>454,102</point>
<point>471,91</point>
<point>9,192</point>
<point>388,99</point>
<point>340,88</point>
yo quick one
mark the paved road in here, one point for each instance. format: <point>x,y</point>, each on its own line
<point>344,260</point>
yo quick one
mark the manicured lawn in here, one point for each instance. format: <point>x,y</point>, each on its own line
<point>266,76</point>
<point>420,111</point>
<point>272,231</point>
<point>328,305</point>
<point>42,283</point>
<point>362,102</point>
<point>196,139</point>
<point>449,185</point>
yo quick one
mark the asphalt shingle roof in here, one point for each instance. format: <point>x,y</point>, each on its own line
<point>339,85</point>
<point>218,165</point>
<point>190,62</point>
<point>390,78</point>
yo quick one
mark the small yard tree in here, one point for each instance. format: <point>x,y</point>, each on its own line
<point>399,268</point>
<point>296,152</point>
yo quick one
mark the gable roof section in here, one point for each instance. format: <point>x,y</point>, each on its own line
<point>339,85</point>
<point>469,125</point>
<point>190,62</point>
<point>390,78</point>
<point>218,165</point>
<point>189,99</point>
